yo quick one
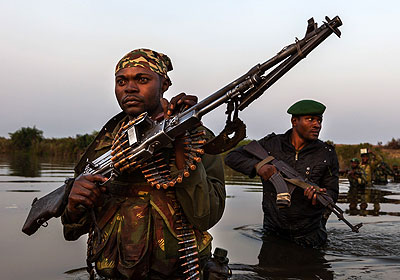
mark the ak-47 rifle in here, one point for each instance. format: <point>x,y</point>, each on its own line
<point>141,139</point>
<point>288,176</point>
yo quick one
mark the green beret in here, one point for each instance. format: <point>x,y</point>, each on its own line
<point>306,107</point>
<point>355,160</point>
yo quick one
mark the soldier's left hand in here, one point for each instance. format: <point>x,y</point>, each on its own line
<point>311,193</point>
<point>178,103</point>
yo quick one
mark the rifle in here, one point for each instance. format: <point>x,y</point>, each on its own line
<point>139,141</point>
<point>289,175</point>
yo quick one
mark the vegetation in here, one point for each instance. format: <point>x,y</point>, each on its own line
<point>393,144</point>
<point>31,140</point>
<point>26,137</point>
<point>389,152</point>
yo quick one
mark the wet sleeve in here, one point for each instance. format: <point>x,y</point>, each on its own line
<point>330,180</point>
<point>202,195</point>
<point>72,231</point>
<point>241,161</point>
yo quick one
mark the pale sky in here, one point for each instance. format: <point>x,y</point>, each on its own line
<point>57,61</point>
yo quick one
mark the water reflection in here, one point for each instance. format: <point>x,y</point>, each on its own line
<point>24,165</point>
<point>371,254</point>
<point>282,259</point>
<point>361,200</point>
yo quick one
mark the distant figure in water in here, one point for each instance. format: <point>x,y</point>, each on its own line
<point>396,173</point>
<point>356,175</point>
<point>369,162</point>
<point>303,222</point>
<point>381,172</point>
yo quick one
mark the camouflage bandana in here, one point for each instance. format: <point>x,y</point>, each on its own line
<point>152,60</point>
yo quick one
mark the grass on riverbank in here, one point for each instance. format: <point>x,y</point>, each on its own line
<point>73,147</point>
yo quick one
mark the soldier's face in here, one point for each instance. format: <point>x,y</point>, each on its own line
<point>354,164</point>
<point>307,127</point>
<point>139,90</point>
<point>364,158</point>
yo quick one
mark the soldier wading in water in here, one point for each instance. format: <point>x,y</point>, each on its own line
<point>304,221</point>
<point>138,234</point>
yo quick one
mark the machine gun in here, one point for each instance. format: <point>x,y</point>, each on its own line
<point>139,141</point>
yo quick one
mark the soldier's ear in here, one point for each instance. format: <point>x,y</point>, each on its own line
<point>294,120</point>
<point>164,85</point>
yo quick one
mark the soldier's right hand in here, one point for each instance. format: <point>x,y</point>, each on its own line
<point>266,171</point>
<point>85,192</point>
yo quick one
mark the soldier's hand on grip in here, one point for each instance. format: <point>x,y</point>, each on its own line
<point>84,192</point>
<point>311,193</point>
<point>266,171</point>
<point>180,102</point>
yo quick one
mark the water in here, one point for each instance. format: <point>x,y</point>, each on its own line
<point>374,253</point>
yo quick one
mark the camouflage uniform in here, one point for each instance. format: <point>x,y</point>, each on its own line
<point>138,222</point>
<point>369,167</point>
<point>357,177</point>
<point>396,174</point>
<point>381,172</point>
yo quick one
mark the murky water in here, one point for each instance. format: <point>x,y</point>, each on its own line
<point>374,253</point>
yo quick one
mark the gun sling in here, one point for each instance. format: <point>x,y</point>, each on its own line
<point>293,178</point>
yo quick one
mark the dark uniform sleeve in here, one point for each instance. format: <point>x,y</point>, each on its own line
<point>330,181</point>
<point>241,161</point>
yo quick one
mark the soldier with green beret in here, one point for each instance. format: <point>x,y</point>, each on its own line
<point>356,175</point>
<point>137,229</point>
<point>306,107</point>
<point>303,222</point>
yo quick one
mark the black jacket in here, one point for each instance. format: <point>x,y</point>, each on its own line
<point>317,162</point>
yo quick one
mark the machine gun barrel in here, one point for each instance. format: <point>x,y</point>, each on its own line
<point>294,53</point>
<point>253,84</point>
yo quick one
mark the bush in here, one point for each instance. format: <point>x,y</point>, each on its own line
<point>26,137</point>
<point>393,144</point>
<point>4,145</point>
<point>82,141</point>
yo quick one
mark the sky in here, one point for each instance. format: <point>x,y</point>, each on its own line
<point>57,60</point>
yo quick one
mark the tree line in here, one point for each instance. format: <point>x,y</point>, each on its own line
<point>31,140</point>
